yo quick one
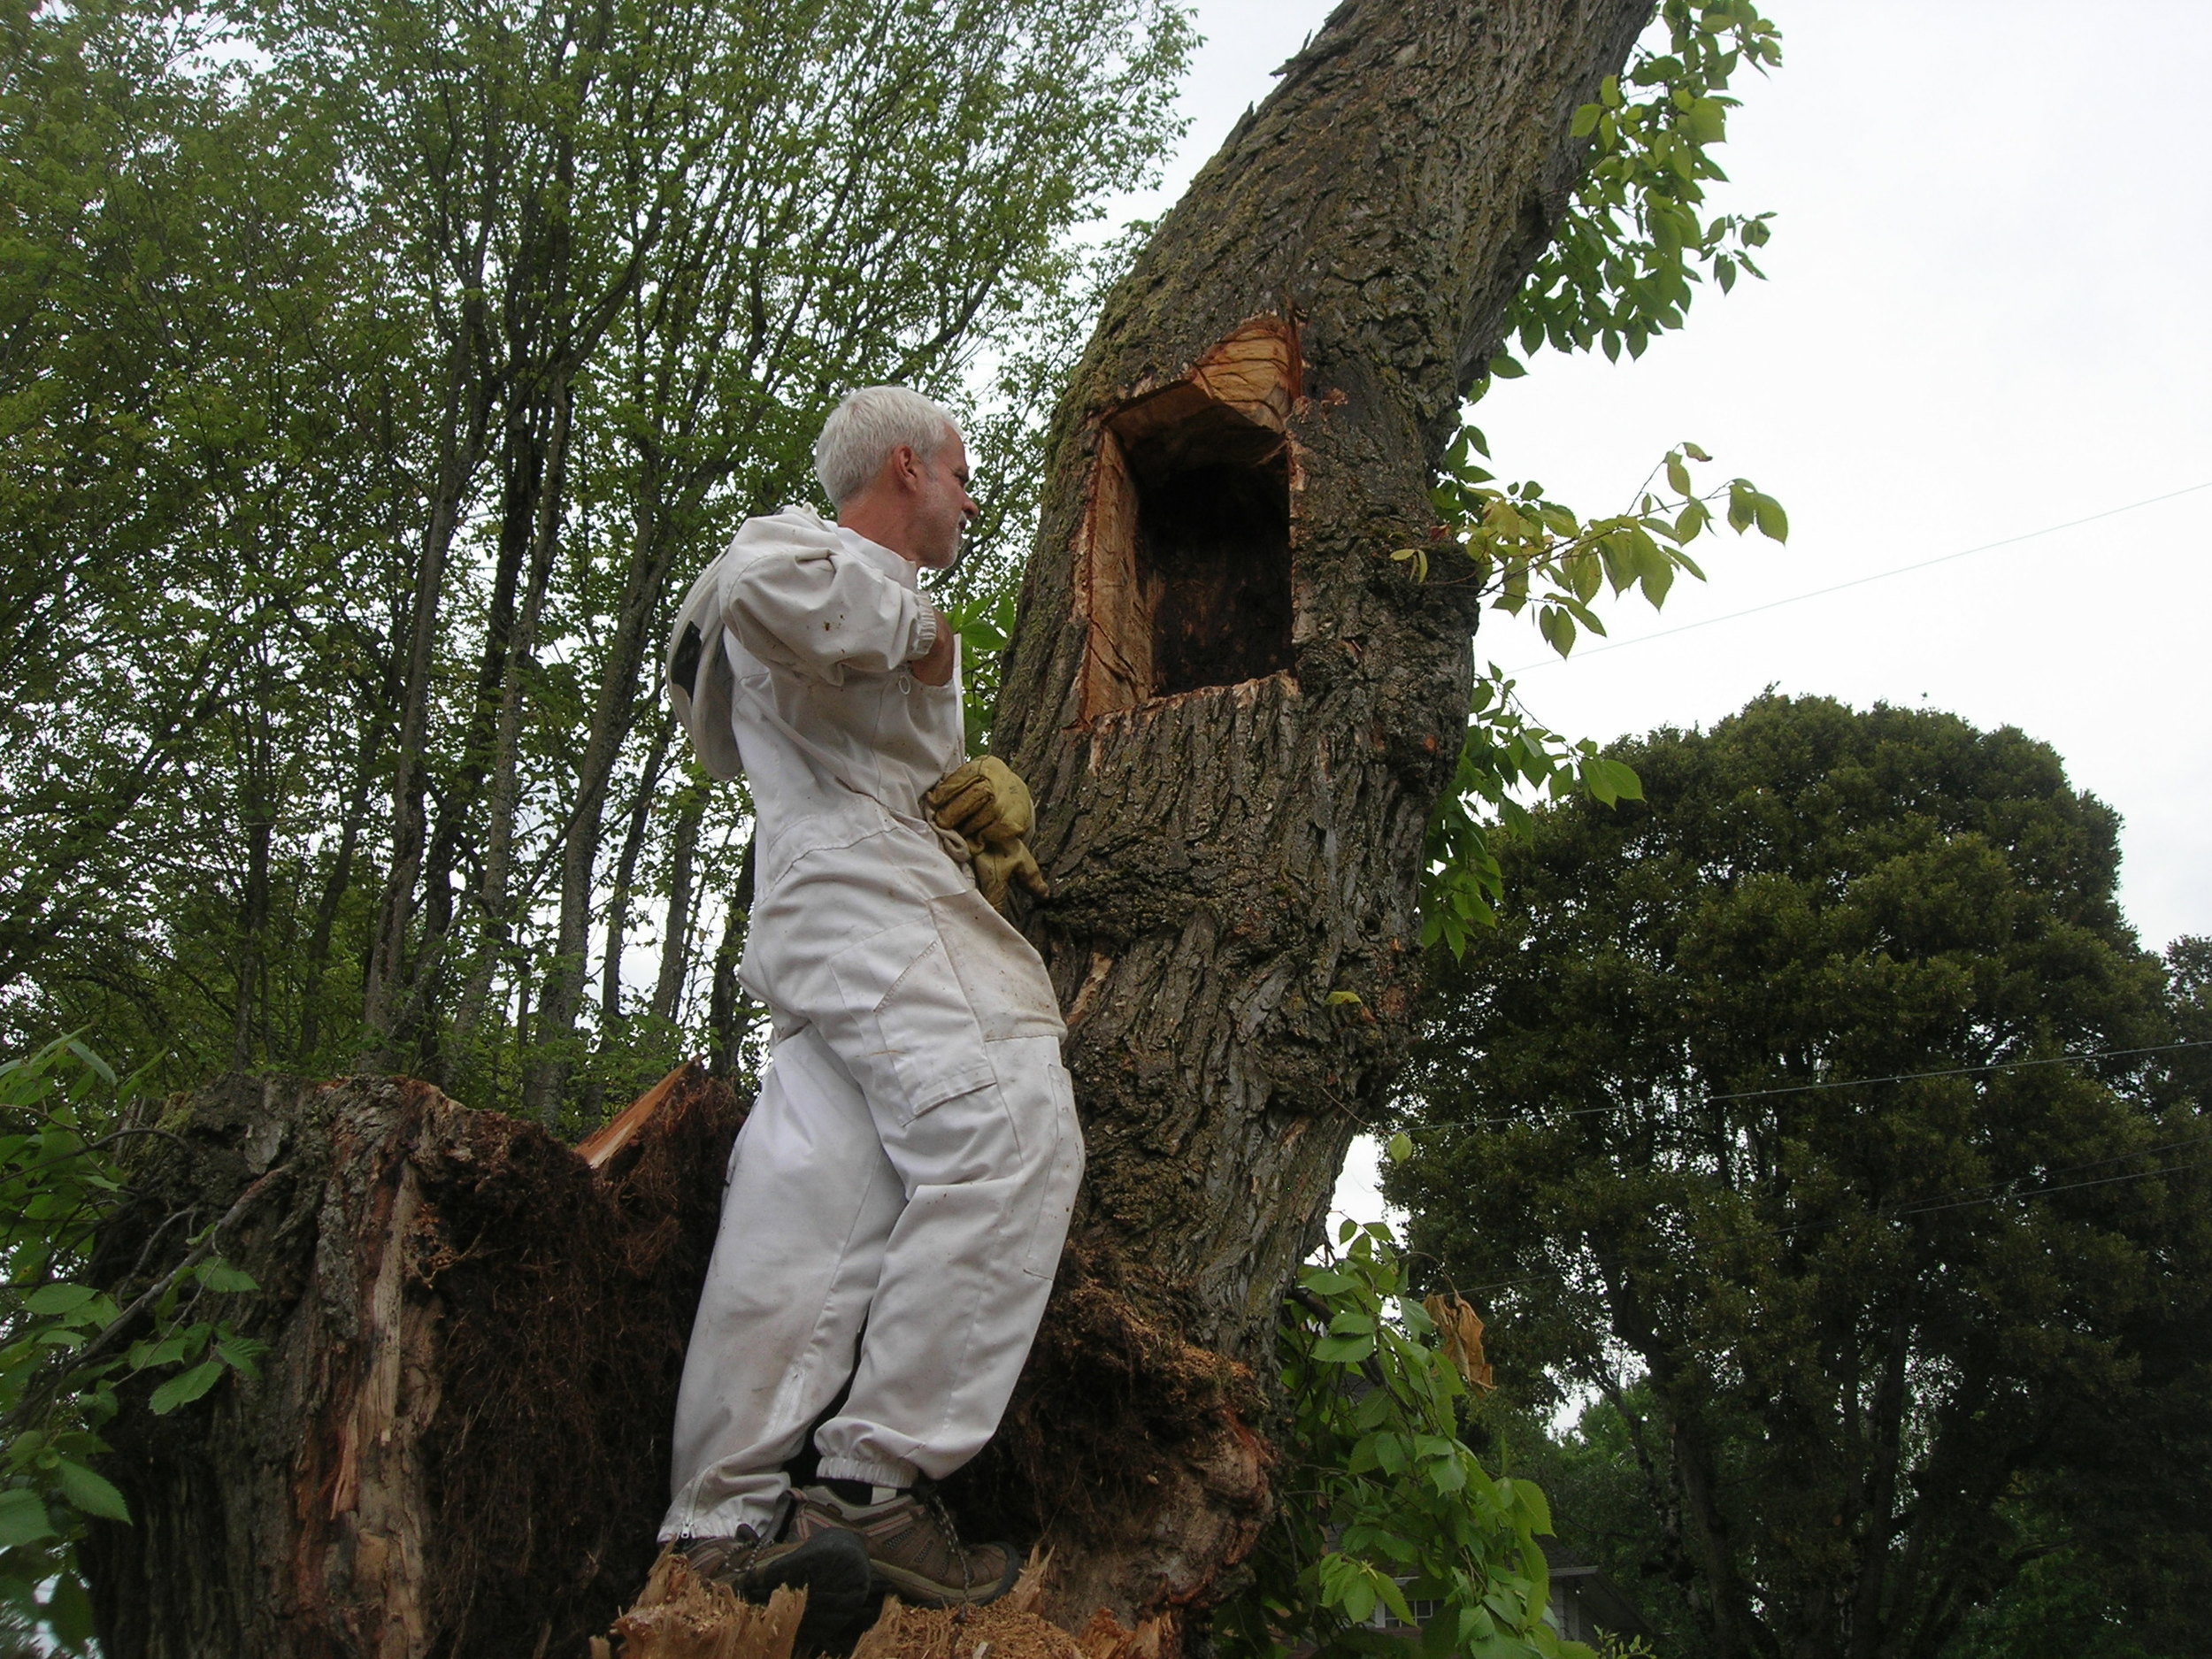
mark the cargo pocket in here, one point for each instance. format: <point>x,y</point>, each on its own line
<point>914,1041</point>
<point>1063,1159</point>
<point>1005,978</point>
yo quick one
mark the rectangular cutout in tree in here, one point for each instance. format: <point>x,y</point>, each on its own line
<point>1185,559</point>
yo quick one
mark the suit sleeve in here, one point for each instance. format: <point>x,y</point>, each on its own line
<point>824,612</point>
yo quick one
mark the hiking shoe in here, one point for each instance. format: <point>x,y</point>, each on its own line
<point>910,1542</point>
<point>831,1567</point>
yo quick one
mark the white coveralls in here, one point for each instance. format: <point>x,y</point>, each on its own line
<point>898,1197</point>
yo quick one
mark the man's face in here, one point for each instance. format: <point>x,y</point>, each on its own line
<point>943,508</point>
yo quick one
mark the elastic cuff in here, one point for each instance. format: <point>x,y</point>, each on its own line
<point>924,642</point>
<point>895,1472</point>
<point>723,1519</point>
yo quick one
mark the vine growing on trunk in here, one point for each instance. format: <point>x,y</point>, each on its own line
<point>1385,1506</point>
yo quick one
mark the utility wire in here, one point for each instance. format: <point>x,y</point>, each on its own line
<point>1863,1082</point>
<point>1861,581</point>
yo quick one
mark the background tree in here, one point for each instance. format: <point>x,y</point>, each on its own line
<point>1813,1114</point>
<point>367,387</point>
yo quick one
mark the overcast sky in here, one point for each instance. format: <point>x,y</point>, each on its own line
<point>1989,313</point>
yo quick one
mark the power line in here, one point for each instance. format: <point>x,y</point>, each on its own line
<point>1865,1082</point>
<point>2032,1192</point>
<point>1861,581</point>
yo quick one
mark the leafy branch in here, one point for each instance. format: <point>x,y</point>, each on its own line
<point>66,1344</point>
<point>1535,557</point>
<point>1623,261</point>
<point>1621,268</point>
<point>1387,1510</point>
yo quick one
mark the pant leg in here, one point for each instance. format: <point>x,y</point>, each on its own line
<point>810,1204</point>
<point>989,1179</point>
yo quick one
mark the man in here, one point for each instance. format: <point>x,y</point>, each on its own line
<point>899,1195</point>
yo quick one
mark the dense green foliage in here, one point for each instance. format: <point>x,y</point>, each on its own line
<point>1813,1114</point>
<point>373,377</point>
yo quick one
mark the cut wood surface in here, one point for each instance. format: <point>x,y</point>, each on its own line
<point>1237,714</point>
<point>458,1444</point>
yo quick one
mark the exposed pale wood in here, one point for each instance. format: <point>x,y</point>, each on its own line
<point>681,1616</point>
<point>598,1148</point>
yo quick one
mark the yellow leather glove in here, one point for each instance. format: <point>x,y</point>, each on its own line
<point>999,865</point>
<point>987,806</point>
<point>984,802</point>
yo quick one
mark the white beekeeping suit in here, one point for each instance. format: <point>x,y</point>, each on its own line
<point>911,1162</point>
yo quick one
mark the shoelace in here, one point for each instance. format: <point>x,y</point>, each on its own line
<point>736,1554</point>
<point>926,1496</point>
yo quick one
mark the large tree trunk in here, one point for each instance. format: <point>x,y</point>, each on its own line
<point>458,1443</point>
<point>1237,712</point>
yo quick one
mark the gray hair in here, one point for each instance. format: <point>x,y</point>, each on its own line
<point>864,429</point>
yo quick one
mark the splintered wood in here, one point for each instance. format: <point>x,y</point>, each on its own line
<point>1009,1628</point>
<point>681,1615</point>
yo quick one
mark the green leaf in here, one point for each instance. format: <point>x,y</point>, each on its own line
<point>92,1492</point>
<point>51,1299</point>
<point>23,1519</point>
<point>241,1353</point>
<point>1399,1148</point>
<point>1773,523</point>
<point>220,1275</point>
<point>186,1386</point>
<point>1343,1350</point>
<point>69,1613</point>
<point>1505,368</point>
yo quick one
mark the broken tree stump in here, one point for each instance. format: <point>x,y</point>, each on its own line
<point>458,1441</point>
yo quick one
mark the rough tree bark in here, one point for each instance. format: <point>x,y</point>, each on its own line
<point>1237,714</point>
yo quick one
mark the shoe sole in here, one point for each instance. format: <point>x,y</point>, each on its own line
<point>917,1591</point>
